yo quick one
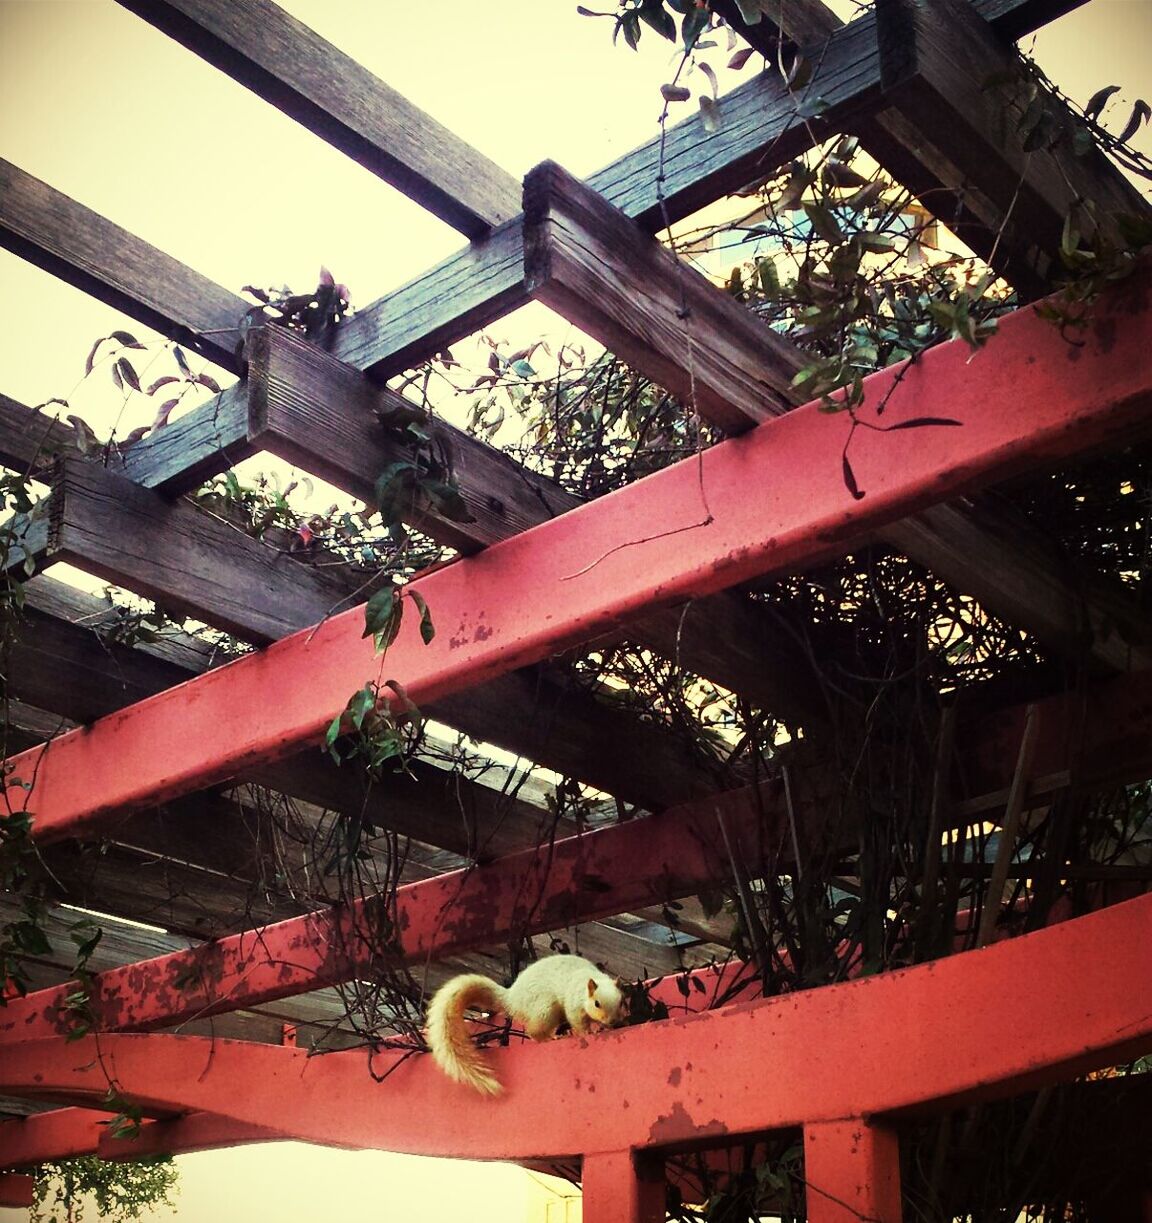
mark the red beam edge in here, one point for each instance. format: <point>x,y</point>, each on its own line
<point>929,1037</point>
<point>65,1133</point>
<point>775,498</point>
<point>579,878</point>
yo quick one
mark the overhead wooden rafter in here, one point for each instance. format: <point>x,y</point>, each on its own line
<point>771,500</point>
<point>266,49</point>
<point>585,259</point>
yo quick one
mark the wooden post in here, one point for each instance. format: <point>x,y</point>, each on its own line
<point>620,1187</point>
<point>852,1170</point>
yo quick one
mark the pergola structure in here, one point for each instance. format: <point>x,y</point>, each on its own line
<point>161,744</point>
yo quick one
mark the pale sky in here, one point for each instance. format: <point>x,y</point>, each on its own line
<point>114,114</point>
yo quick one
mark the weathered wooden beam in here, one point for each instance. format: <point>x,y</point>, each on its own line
<point>589,262</point>
<point>762,129</point>
<point>56,233</point>
<point>202,443</point>
<point>30,438</point>
<point>194,562</point>
<point>61,665</point>
<point>1113,724</point>
<point>320,1014</point>
<point>777,498</point>
<point>288,64</point>
<point>953,132</point>
<point>598,268</point>
<point>877,1057</point>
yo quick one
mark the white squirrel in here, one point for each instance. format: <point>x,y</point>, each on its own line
<point>547,993</point>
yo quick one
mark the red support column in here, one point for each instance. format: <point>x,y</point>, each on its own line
<point>16,1190</point>
<point>852,1171</point>
<point>623,1187</point>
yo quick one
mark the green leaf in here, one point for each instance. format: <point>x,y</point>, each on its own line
<point>655,16</point>
<point>427,628</point>
<point>630,24</point>
<point>30,938</point>
<point>126,372</point>
<point>769,278</point>
<point>694,23</point>
<point>918,422</point>
<point>333,732</point>
<point>395,492</point>
<point>382,615</point>
<point>823,222</point>
<point>1141,113</point>
<point>447,501</point>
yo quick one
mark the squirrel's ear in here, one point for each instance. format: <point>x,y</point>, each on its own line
<point>591,988</point>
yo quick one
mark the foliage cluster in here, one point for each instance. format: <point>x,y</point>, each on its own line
<point>119,1192</point>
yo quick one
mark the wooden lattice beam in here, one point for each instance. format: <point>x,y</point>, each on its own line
<point>63,237</point>
<point>591,263</point>
<point>311,409</point>
<point>776,498</point>
<point>288,64</point>
<point>953,132</point>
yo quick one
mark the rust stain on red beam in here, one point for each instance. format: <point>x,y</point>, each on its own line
<point>775,500</point>
<point>1073,997</point>
<point>578,879</point>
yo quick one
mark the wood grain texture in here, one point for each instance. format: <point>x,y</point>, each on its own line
<point>202,443</point>
<point>319,413</point>
<point>449,301</point>
<point>189,560</point>
<point>288,64</point>
<point>950,137</point>
<point>63,237</point>
<point>594,265</point>
<point>31,438</point>
<point>59,664</point>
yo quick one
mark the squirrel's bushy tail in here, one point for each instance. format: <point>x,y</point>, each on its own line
<point>448,1037</point>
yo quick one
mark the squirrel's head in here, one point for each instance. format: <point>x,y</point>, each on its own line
<point>605,1002</point>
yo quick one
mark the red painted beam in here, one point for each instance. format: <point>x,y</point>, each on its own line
<point>1070,998</point>
<point>618,1188</point>
<point>770,500</point>
<point>642,862</point>
<point>851,1172</point>
<point>65,1133</point>
<point>488,903</point>
<point>17,1190</point>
